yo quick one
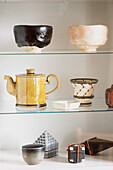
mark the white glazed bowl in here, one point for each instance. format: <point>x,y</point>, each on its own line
<point>88,37</point>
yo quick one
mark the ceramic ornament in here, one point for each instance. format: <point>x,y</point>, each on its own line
<point>109,96</point>
<point>84,89</point>
<point>95,145</point>
<point>50,143</point>
<point>76,153</point>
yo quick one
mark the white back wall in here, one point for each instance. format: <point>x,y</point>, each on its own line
<point>17,130</point>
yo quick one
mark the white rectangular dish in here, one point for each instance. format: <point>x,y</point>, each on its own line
<point>67,105</point>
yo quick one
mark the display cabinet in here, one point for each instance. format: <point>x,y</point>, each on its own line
<point>66,61</point>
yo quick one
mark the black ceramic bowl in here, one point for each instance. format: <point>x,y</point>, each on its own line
<point>33,35</point>
<point>33,154</point>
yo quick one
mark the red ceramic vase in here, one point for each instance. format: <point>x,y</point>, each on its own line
<point>109,96</point>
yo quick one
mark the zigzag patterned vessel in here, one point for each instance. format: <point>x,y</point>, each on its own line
<point>50,143</point>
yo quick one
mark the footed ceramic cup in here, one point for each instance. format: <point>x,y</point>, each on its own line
<point>33,37</point>
<point>88,37</point>
<point>30,89</point>
<point>33,154</point>
<point>84,89</point>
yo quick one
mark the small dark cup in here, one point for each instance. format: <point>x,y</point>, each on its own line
<point>33,35</point>
<point>33,154</point>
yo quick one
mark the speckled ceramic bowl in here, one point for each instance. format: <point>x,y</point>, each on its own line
<point>88,37</point>
<point>33,154</point>
<point>33,37</point>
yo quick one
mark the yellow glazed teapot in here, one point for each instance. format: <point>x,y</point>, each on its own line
<point>30,88</point>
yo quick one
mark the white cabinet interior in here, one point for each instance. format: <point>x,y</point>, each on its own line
<point>66,128</point>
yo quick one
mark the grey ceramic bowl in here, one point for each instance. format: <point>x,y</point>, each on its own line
<point>33,154</point>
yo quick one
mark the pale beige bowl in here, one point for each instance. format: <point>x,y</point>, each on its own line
<point>88,37</point>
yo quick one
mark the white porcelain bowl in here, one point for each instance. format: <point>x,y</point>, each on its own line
<point>88,37</point>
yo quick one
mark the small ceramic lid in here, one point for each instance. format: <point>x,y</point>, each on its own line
<point>30,73</point>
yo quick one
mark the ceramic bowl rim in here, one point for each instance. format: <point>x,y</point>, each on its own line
<point>84,81</point>
<point>98,25</point>
<point>33,147</point>
<point>31,26</point>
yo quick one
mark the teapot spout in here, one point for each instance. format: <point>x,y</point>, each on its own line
<point>11,85</point>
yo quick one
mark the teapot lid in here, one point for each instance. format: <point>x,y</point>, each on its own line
<point>30,73</point>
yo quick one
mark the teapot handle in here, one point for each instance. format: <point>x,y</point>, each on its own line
<point>49,82</point>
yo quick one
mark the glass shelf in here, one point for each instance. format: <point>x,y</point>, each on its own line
<point>58,1</point>
<point>98,105</point>
<point>55,52</point>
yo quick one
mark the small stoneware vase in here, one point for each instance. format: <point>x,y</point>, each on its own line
<point>88,37</point>
<point>84,89</point>
<point>109,96</point>
<point>33,37</point>
<point>30,88</point>
<point>33,154</point>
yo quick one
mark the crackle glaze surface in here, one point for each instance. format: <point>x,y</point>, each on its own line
<point>88,38</point>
